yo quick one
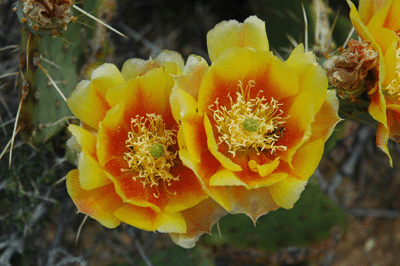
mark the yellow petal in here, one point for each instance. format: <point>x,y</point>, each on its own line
<point>385,38</point>
<point>380,16</point>
<point>267,168</point>
<point>185,193</point>
<point>254,203</point>
<point>213,147</point>
<point>298,125</point>
<point>312,77</point>
<point>91,175</point>
<point>85,139</point>
<point>170,223</point>
<point>392,130</point>
<point>189,194</point>
<point>148,91</point>
<point>225,177</point>
<point>171,70</point>
<point>302,112</point>
<point>170,56</point>
<point>392,19</point>
<point>139,217</point>
<point>86,104</point>
<point>382,138</point>
<point>109,75</point>
<point>135,67</point>
<point>182,104</point>
<point>193,73</point>
<point>390,56</point>
<point>307,158</point>
<point>192,128</point>
<point>122,92</point>
<point>367,9</point>
<point>327,117</point>
<point>359,25</point>
<point>173,65</point>
<point>99,203</point>
<point>287,192</point>
<point>268,181</point>
<point>219,194</point>
<point>110,138</point>
<point>105,77</point>
<point>377,107</point>
<point>134,193</point>
<point>87,101</point>
<point>184,110</point>
<point>226,34</point>
<point>264,170</point>
<point>181,139</point>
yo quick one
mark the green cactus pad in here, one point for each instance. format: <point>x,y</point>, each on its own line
<point>43,109</point>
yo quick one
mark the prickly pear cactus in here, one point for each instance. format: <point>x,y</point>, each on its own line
<point>310,221</point>
<point>42,106</point>
<point>51,54</point>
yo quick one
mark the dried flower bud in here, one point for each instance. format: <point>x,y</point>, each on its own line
<point>353,72</point>
<point>45,16</point>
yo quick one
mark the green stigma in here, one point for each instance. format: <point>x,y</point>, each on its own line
<point>250,124</point>
<point>157,150</point>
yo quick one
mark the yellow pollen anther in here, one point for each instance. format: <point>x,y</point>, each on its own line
<point>393,89</point>
<point>249,122</point>
<point>150,152</point>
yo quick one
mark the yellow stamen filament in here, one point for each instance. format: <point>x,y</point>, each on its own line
<point>249,123</point>
<point>150,155</point>
<point>393,89</point>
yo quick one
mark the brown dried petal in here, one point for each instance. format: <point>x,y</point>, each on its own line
<point>48,12</point>
<point>352,70</point>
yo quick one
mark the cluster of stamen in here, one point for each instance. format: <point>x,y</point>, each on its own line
<point>150,155</point>
<point>393,89</point>
<point>249,123</point>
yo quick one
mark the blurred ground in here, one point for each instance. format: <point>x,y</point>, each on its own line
<point>38,224</point>
<point>360,179</point>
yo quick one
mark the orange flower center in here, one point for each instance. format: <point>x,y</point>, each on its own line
<point>150,148</point>
<point>393,89</point>
<point>249,123</point>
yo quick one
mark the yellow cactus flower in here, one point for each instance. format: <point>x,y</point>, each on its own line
<point>128,165</point>
<point>377,22</point>
<point>252,127</point>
